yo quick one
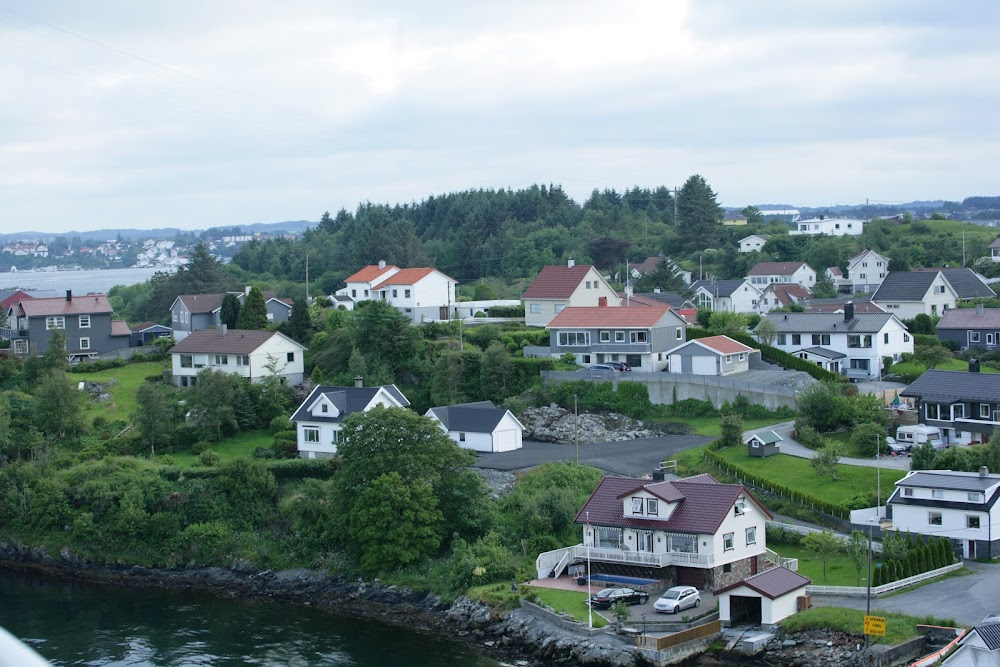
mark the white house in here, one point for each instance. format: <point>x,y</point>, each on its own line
<point>735,296</point>
<point>765,599</point>
<point>781,295</point>
<point>907,294</point>
<point>830,226</point>
<point>712,355</point>
<point>753,242</point>
<point>252,353</point>
<point>979,647</point>
<point>359,285</point>
<point>866,271</point>
<point>958,505</point>
<point>421,294</point>
<point>766,273</point>
<point>850,344</point>
<point>559,287</point>
<point>481,426</point>
<point>995,251</point>
<point>692,532</point>
<point>319,418</point>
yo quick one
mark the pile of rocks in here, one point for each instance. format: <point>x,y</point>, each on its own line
<point>555,424</point>
<point>100,391</point>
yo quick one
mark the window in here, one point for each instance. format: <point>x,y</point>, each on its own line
<point>310,434</point>
<point>574,338</point>
<point>796,339</point>
<point>906,337</point>
<point>637,506</point>
<point>535,308</point>
<point>58,322</point>
<point>680,333</point>
<point>937,493</point>
<point>651,508</point>
<point>634,360</point>
<point>324,408</point>
<point>728,542</point>
<point>907,491</point>
<point>586,358</point>
<point>739,508</point>
<point>84,343</point>
<point>885,338</point>
<point>242,360</point>
<point>971,521</point>
<point>821,339</point>
<point>939,289</point>
<point>958,412</point>
<point>559,307</point>
<point>461,436</point>
<point>752,535</point>
<point>20,347</point>
<point>933,411</point>
<point>187,361</point>
<point>974,497</point>
<point>406,294</point>
<point>973,336</point>
<point>619,336</point>
<point>984,410</point>
<point>856,341</point>
<point>175,318</point>
<point>859,364</point>
<point>587,285</point>
<point>728,567</point>
<point>290,357</point>
<point>729,358</point>
<point>334,437</point>
<point>743,356</point>
<point>222,360</point>
<point>934,518</point>
<point>85,321</point>
<point>354,292</point>
<point>605,336</point>
<point>637,337</point>
<point>989,339</point>
<point>366,293</point>
<point>781,339</point>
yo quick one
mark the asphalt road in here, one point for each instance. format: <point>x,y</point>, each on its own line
<point>632,458</point>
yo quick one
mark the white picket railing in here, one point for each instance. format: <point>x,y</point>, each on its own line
<point>860,591</point>
<point>556,560</point>
<point>787,563</point>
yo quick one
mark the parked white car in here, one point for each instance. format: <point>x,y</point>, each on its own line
<point>677,599</point>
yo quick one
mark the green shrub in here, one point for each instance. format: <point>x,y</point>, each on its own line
<point>201,447</point>
<point>507,311</point>
<point>206,543</point>
<point>209,458</point>
<point>484,561</point>
<point>926,339</point>
<point>295,469</point>
<point>281,423</point>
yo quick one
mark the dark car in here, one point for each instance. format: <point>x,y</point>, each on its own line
<point>609,596</point>
<point>620,366</point>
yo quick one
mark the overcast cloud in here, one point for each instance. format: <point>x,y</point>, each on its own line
<point>226,112</point>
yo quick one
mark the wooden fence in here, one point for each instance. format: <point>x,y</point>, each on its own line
<point>678,638</point>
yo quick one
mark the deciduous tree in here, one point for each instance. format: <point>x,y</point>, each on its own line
<point>932,356</point>
<point>212,402</point>
<point>155,414</point>
<point>857,549</point>
<point>496,372</point>
<point>826,461</point>
<point>58,406</point>
<point>824,544</point>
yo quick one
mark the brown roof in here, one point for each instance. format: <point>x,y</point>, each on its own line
<point>368,274</point>
<point>269,295</point>
<point>776,268</point>
<point>202,303</point>
<point>969,318</point>
<point>639,300</point>
<point>78,305</point>
<point>704,503</point>
<point>556,282</point>
<point>788,293</point>
<point>120,328</point>
<point>407,277</point>
<point>142,326</point>
<point>835,271</point>
<point>723,344</point>
<point>235,341</point>
<point>609,316</point>
<point>772,583</point>
<point>647,266</point>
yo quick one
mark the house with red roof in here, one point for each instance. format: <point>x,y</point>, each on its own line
<point>422,294</point>
<point>712,355</point>
<point>558,287</point>
<point>687,532</point>
<point>639,334</point>
<point>85,320</point>
<point>782,295</point>
<point>764,599</point>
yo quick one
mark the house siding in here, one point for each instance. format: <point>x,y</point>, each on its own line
<point>989,339</point>
<point>99,333</point>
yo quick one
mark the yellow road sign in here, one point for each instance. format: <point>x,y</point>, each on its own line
<point>875,625</point>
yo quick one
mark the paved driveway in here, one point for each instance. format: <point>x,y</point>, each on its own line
<point>789,446</point>
<point>632,458</point>
<point>967,600</point>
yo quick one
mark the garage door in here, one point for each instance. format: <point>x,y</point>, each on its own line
<point>744,610</point>
<point>691,576</point>
<point>506,441</point>
<point>704,366</point>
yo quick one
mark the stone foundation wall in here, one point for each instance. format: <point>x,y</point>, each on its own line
<point>740,571</point>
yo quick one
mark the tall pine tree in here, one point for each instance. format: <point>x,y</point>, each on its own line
<point>230,310</point>
<point>699,216</point>
<point>253,314</point>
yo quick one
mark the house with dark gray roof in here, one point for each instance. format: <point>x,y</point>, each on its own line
<point>851,344</point>
<point>971,328</point>
<point>907,294</point>
<point>961,506</point>
<point>964,405</point>
<point>866,271</point>
<point>481,426</point>
<point>319,419</point>
<point>967,283</point>
<point>979,647</point>
<point>193,312</point>
<point>736,296</point>
<point>689,532</point>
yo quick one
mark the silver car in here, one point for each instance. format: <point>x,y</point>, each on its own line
<point>677,599</point>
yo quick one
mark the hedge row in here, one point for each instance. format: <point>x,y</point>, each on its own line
<point>773,354</point>
<point>924,558</point>
<point>795,495</point>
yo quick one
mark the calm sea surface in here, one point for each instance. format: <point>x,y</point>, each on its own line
<point>72,623</point>
<point>81,282</point>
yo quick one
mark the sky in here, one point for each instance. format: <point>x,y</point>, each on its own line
<point>195,114</point>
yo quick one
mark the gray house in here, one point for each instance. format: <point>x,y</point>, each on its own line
<point>971,328</point>
<point>86,321</point>
<point>764,444</point>
<point>964,405</point>
<point>193,312</point>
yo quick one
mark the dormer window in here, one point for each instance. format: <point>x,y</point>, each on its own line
<point>637,506</point>
<point>651,507</point>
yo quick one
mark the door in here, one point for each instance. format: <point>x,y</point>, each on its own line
<point>753,565</point>
<point>443,314</point>
<point>645,541</point>
<point>970,549</point>
<point>690,576</point>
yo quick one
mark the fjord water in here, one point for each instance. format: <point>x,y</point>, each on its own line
<point>72,623</point>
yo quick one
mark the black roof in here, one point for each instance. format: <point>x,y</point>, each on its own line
<point>904,286</point>
<point>348,400</point>
<point>481,417</point>
<point>950,479</point>
<point>937,386</point>
<point>823,352</point>
<point>718,287</point>
<point>990,634</point>
<point>965,282</point>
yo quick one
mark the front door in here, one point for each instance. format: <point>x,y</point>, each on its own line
<point>753,565</point>
<point>971,550</point>
<point>645,541</point>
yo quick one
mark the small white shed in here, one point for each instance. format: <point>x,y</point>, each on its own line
<point>765,599</point>
<point>481,426</point>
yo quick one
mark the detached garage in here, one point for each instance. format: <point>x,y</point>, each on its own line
<point>482,426</point>
<point>764,599</point>
<point>714,355</point>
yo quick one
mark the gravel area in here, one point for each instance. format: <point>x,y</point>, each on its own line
<point>499,482</point>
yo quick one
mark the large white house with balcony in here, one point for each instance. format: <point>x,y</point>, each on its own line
<point>829,226</point>
<point>693,532</point>
<point>252,353</point>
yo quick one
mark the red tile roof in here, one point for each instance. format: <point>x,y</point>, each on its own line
<point>18,295</point>
<point>91,304</point>
<point>703,504</point>
<point>788,293</point>
<point>776,268</point>
<point>772,583</point>
<point>556,282</point>
<point>609,316</point>
<point>407,277</point>
<point>120,328</point>
<point>368,274</point>
<point>235,341</point>
<point>723,344</point>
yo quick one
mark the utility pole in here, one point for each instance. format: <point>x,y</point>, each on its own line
<point>676,222</point>
<point>307,276</point>
<point>576,428</point>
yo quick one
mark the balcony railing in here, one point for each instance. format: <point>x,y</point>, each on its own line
<point>557,560</point>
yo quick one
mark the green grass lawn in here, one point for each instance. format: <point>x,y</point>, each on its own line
<point>122,402</point>
<point>847,448</point>
<point>899,627</point>
<point>793,472</point>
<point>569,602</point>
<point>839,567</point>
<point>915,367</point>
<point>239,446</point>
<point>709,426</point>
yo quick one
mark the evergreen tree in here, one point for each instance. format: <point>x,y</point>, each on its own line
<point>253,314</point>
<point>824,287</point>
<point>299,327</point>
<point>230,310</point>
<point>203,274</point>
<point>55,357</point>
<point>993,453</point>
<point>496,372</point>
<point>699,221</point>
<point>155,415</point>
<point>356,366</point>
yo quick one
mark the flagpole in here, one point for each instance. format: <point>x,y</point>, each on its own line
<point>590,606</point>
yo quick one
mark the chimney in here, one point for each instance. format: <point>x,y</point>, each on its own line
<point>602,301</point>
<point>979,310</point>
<point>381,264</point>
<point>69,295</point>
<point>358,382</point>
<point>848,311</point>
<point>973,365</point>
<point>983,471</point>
<point>225,329</point>
<point>571,263</point>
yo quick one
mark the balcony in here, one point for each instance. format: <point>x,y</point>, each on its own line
<point>558,559</point>
<point>621,348</point>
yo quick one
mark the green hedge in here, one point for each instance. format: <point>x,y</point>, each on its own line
<point>294,469</point>
<point>773,354</point>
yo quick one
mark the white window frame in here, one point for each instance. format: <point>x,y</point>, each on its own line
<point>935,519</point>
<point>973,336</point>
<point>222,360</point>
<point>310,434</point>
<point>638,337</point>
<point>680,333</point>
<point>651,507</point>
<point>84,322</point>
<point>751,535</point>
<point>605,336</point>
<point>728,542</point>
<point>937,494</point>
<point>984,410</point>
<point>619,336</point>
<point>55,322</point>
<point>20,346</point>
<point>85,343</point>
<point>969,518</point>
<point>535,308</point>
<point>637,506</point>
